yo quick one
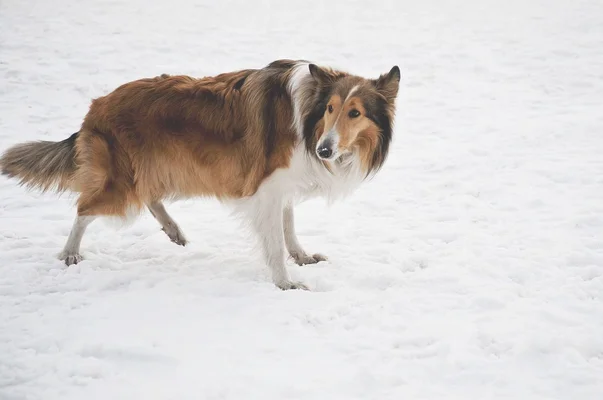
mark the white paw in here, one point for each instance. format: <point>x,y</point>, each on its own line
<point>176,236</point>
<point>70,259</point>
<point>287,285</point>
<point>304,259</point>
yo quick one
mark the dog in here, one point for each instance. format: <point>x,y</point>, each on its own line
<point>260,140</point>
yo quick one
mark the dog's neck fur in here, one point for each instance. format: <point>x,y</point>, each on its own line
<point>302,89</point>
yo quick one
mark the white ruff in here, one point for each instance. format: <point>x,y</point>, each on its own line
<point>300,73</point>
<point>305,178</point>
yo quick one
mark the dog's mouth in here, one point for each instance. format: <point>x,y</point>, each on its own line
<point>330,157</point>
<point>343,158</point>
<point>328,151</point>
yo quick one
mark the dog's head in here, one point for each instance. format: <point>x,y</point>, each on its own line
<point>358,116</point>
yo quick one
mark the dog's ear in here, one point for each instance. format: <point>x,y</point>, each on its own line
<point>387,84</point>
<point>320,75</point>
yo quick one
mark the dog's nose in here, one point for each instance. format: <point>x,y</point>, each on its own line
<point>324,152</point>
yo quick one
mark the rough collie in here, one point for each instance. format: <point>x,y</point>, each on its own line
<point>260,139</point>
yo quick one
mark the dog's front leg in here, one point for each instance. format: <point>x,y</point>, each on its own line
<point>268,224</point>
<point>291,242</point>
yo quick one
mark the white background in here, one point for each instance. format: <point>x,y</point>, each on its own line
<point>471,267</point>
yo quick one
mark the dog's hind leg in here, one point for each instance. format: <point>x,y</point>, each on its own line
<point>169,226</point>
<point>293,246</point>
<point>104,180</point>
<point>71,251</point>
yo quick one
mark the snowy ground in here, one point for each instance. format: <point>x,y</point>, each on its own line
<point>470,268</point>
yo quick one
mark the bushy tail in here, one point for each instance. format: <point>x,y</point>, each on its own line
<point>43,165</point>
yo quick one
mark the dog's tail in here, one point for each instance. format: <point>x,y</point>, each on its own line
<point>42,165</point>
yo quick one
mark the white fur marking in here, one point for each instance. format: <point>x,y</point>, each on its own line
<point>301,72</point>
<point>351,93</point>
<point>72,247</point>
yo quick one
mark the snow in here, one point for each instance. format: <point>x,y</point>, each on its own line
<point>470,267</point>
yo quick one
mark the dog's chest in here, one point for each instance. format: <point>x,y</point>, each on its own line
<point>307,177</point>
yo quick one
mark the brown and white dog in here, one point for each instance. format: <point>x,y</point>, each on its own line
<point>259,139</point>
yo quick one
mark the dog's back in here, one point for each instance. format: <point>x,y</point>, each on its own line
<point>177,136</point>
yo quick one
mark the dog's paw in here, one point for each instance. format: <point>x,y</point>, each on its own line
<point>176,236</point>
<point>304,259</point>
<point>287,285</point>
<point>70,259</point>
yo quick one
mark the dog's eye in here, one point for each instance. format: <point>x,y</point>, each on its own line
<point>354,114</point>
<point>330,108</point>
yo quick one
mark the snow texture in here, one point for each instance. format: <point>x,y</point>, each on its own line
<point>471,267</point>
